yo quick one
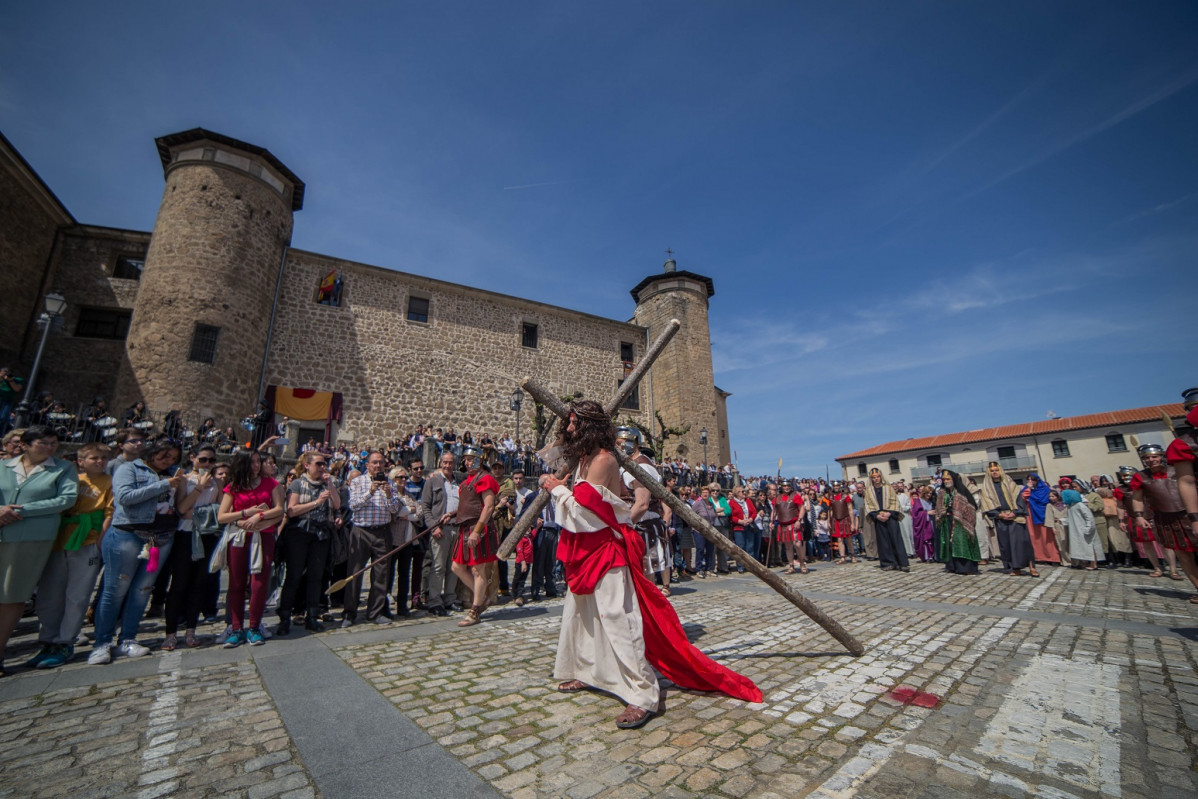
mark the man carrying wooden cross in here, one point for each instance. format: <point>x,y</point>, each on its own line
<point>616,626</point>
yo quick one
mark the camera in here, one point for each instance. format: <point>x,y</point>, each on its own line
<point>379,478</point>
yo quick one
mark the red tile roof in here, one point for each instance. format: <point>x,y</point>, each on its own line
<point>1109,419</point>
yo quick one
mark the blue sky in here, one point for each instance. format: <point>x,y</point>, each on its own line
<point>919,217</point>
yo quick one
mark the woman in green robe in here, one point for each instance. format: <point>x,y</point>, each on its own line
<point>956,519</point>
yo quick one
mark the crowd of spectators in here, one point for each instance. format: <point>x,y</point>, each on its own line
<point>162,515</point>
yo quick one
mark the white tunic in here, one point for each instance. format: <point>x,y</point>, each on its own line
<point>601,641</point>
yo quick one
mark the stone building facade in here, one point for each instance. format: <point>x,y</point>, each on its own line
<point>213,306</point>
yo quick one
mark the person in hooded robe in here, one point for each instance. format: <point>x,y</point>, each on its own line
<point>1036,495</point>
<point>956,520</point>
<point>1084,543</point>
<point>1003,504</point>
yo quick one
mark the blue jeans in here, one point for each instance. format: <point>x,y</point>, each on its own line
<point>125,581</point>
<point>748,539</point>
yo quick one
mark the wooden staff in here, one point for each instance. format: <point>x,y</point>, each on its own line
<point>337,586</point>
<point>687,514</point>
<point>533,512</point>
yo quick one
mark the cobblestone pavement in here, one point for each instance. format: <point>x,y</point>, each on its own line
<point>1078,684</point>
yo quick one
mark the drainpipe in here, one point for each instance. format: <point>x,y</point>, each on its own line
<point>270,329</point>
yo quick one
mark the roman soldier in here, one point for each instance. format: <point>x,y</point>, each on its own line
<point>788,517</point>
<point>1181,454</point>
<point>1141,535</point>
<point>648,514</point>
<point>1155,487</point>
<point>841,513</point>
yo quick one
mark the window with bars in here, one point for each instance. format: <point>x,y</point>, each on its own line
<point>111,323</point>
<point>418,309</point>
<point>203,343</point>
<point>1115,443</point>
<point>1060,448</point>
<point>894,465</point>
<point>528,335</point>
<point>633,403</point>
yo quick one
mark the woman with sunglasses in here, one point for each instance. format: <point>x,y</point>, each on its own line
<point>312,505</point>
<point>197,501</point>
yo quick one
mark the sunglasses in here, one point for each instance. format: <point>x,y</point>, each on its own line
<point>320,463</point>
<point>205,460</point>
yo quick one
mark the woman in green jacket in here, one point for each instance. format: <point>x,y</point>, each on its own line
<point>35,488</point>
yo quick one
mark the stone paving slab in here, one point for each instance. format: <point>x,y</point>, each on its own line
<point>1079,684</point>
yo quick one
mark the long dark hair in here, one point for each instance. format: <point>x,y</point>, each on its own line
<point>241,473</point>
<point>593,429</point>
<point>959,486</point>
<point>156,448</point>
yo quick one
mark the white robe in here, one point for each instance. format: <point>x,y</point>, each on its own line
<point>906,526</point>
<point>601,641</point>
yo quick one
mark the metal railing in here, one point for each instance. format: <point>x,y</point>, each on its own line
<point>1023,463</point>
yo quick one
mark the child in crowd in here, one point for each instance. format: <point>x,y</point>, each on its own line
<point>65,588</point>
<point>524,552</point>
<point>823,535</point>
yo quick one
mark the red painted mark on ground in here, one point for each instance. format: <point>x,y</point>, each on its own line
<point>909,696</point>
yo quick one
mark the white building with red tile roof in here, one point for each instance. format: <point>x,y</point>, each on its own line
<point>1097,443</point>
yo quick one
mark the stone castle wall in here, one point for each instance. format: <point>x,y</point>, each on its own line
<point>77,368</point>
<point>682,377</point>
<point>29,217</point>
<point>458,369</point>
<point>214,259</point>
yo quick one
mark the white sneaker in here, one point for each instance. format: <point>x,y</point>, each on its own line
<point>265,632</point>
<point>100,655</point>
<point>132,649</point>
<point>220,639</point>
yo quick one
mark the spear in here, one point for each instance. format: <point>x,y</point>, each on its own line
<point>532,512</point>
<point>337,586</point>
<point>687,514</point>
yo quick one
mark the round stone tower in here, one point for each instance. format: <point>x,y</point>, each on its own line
<point>198,334</point>
<point>682,379</point>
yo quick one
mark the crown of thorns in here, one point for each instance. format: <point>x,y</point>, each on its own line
<point>592,411</point>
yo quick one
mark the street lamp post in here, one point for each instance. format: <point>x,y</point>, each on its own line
<point>703,441</point>
<point>55,304</point>
<point>516,401</point>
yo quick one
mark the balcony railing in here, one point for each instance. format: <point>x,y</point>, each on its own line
<point>1021,464</point>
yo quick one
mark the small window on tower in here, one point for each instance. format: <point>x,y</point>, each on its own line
<point>627,352</point>
<point>633,403</point>
<point>203,344</point>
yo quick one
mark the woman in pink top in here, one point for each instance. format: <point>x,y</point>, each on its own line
<point>253,502</point>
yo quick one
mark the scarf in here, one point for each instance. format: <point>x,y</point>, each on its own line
<point>1070,497</point>
<point>1037,499</point>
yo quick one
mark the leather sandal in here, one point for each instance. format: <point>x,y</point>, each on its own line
<point>633,718</point>
<point>170,643</point>
<point>472,618</point>
<point>665,590</point>
<point>191,640</point>
<point>572,687</point>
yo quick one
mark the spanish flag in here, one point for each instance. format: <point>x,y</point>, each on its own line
<point>326,285</point>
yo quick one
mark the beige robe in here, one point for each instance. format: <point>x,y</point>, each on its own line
<point>601,641</point>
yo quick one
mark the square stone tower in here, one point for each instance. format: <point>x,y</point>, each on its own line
<point>682,381</point>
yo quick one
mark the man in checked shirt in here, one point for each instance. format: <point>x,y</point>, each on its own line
<point>375,502</point>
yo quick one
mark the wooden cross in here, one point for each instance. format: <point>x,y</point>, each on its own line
<point>681,508</point>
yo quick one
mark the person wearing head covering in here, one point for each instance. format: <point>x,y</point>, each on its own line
<point>1141,536</point>
<point>956,521</point>
<point>882,508</point>
<point>1084,544</point>
<point>1156,487</point>
<point>1004,505</point>
<point>1036,497</point>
